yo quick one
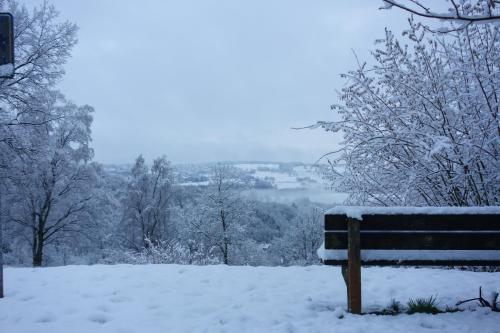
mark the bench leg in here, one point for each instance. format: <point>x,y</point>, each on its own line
<point>353,267</point>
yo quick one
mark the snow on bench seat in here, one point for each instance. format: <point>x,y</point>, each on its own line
<point>357,212</point>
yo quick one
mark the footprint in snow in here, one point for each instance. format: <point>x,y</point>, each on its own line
<point>99,318</point>
<point>321,306</point>
<point>70,311</point>
<point>46,318</point>
<point>103,308</point>
<point>119,299</point>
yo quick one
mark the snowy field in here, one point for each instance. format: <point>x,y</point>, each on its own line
<point>292,184</point>
<point>297,177</point>
<point>173,298</point>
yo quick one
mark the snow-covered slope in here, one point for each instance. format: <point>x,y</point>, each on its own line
<point>173,298</point>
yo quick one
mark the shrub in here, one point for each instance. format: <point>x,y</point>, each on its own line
<point>392,309</point>
<point>394,306</point>
<point>423,305</point>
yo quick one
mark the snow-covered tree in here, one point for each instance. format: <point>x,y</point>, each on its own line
<point>421,126</point>
<point>301,238</point>
<point>223,212</point>
<point>42,45</point>
<point>149,197</point>
<point>51,187</point>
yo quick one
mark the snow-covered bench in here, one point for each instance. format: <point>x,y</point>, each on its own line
<point>416,236</point>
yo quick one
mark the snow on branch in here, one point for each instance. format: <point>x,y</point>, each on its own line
<point>483,11</point>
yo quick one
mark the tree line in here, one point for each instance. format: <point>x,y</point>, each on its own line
<point>149,217</point>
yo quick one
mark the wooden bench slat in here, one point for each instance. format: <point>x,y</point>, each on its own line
<point>417,222</point>
<point>395,240</point>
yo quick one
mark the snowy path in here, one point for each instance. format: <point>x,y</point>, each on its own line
<point>173,298</point>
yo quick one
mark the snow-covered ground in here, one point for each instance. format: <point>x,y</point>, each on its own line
<point>173,298</point>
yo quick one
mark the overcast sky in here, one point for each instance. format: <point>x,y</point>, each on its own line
<point>211,80</point>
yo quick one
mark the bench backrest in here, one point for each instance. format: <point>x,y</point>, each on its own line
<point>416,239</point>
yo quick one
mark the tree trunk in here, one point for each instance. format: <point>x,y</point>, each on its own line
<point>37,248</point>
<point>224,237</point>
<point>37,258</point>
<point>226,259</point>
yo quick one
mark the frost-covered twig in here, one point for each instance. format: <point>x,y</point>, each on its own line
<point>458,13</point>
